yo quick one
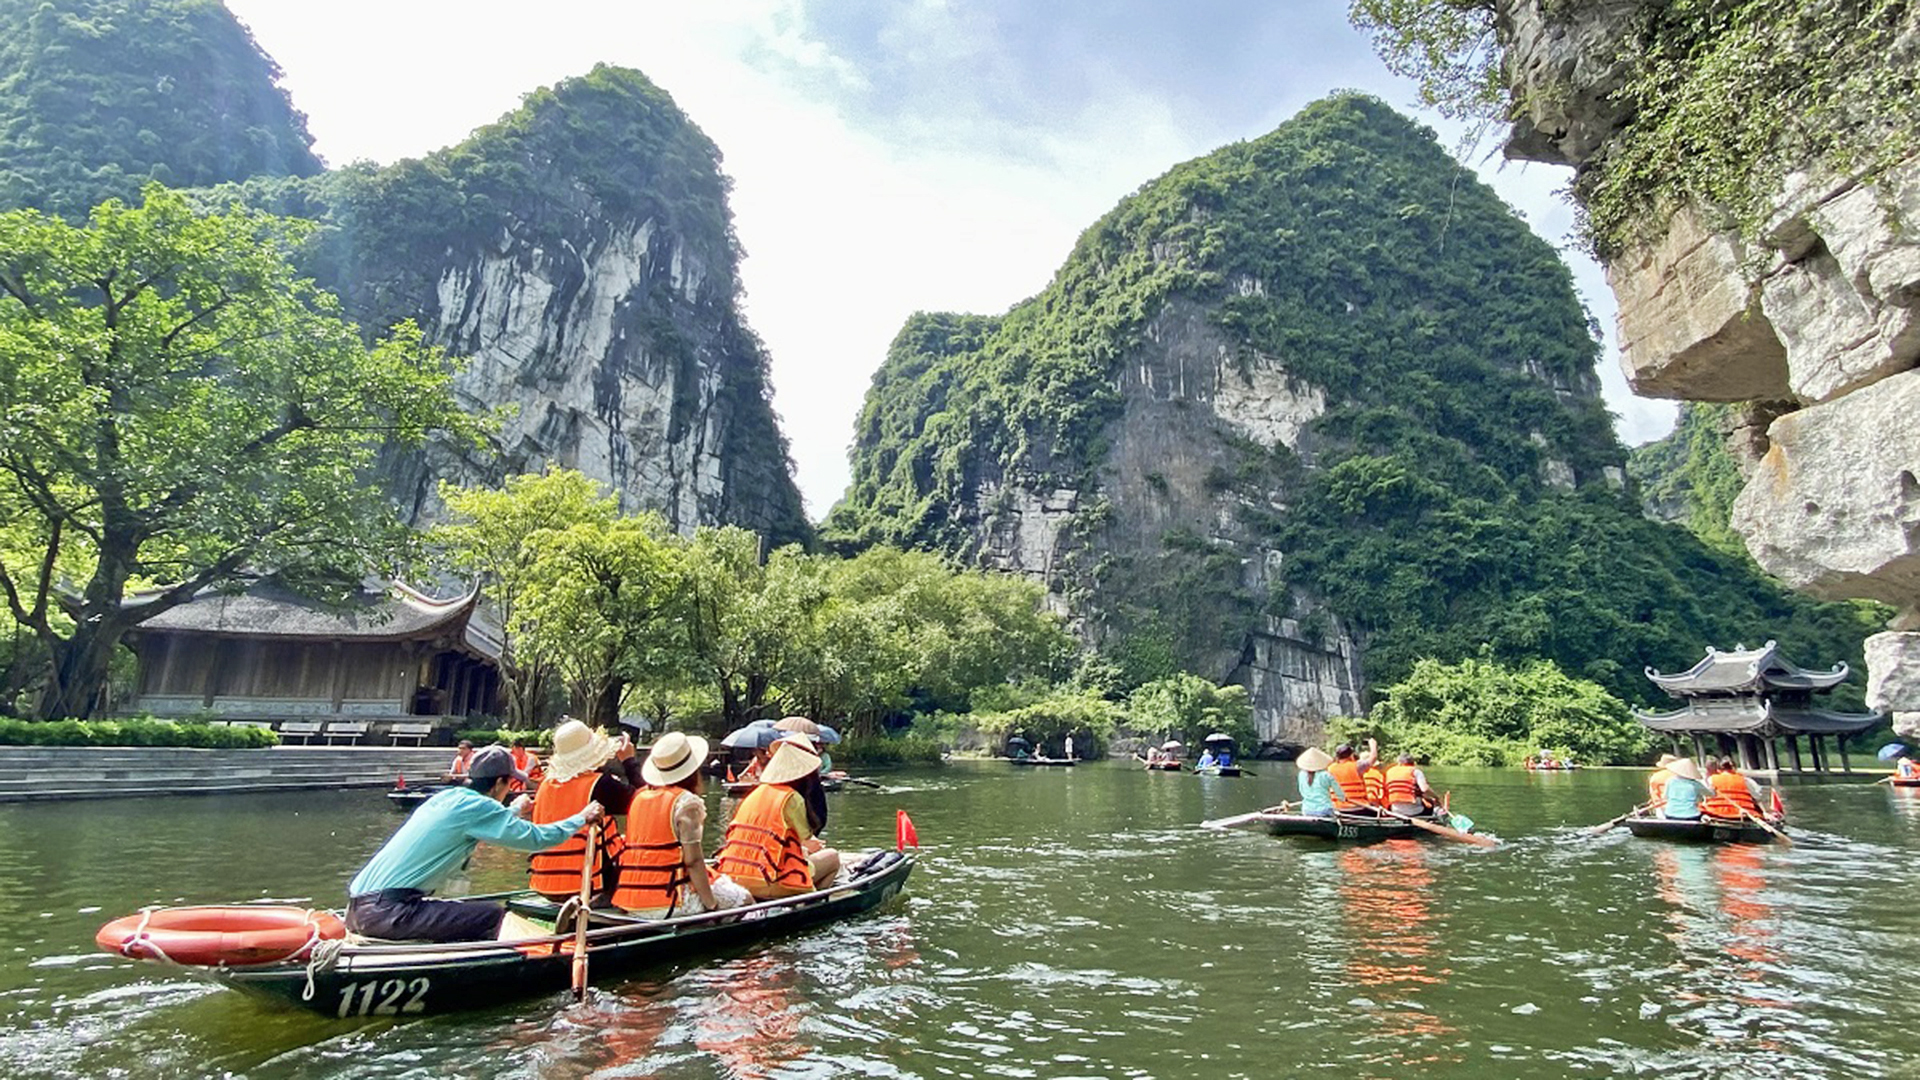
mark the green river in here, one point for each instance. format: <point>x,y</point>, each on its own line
<point>1064,923</point>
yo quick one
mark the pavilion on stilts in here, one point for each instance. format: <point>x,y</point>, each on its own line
<point>1741,704</point>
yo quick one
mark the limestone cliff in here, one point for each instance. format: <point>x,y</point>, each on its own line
<point>1787,280</point>
<point>1296,414</point>
<point>580,253</point>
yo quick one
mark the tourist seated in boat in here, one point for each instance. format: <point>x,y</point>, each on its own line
<point>527,762</point>
<point>754,766</point>
<point>1375,778</point>
<point>577,775</point>
<point>1905,769</point>
<point>1408,792</point>
<point>1208,759</point>
<point>1318,789</point>
<point>389,897</point>
<point>462,758</point>
<point>1735,795</point>
<point>1684,792</point>
<point>1657,782</point>
<point>1346,769</point>
<point>771,847</point>
<point>662,871</point>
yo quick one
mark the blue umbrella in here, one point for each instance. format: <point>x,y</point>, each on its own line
<point>751,737</point>
<point>828,736</point>
<point>1891,750</point>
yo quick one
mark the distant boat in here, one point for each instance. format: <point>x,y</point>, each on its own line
<point>1042,761</point>
<point>1217,770</point>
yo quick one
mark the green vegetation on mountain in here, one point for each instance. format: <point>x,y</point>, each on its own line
<point>1690,477</point>
<point>1723,96</point>
<point>1460,492</point>
<point>100,97</point>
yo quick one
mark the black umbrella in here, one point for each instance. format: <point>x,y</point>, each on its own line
<point>1017,739</point>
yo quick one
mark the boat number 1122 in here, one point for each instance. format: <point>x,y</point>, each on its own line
<point>386,998</point>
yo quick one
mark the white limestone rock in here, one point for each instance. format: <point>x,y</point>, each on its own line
<point>1893,672</point>
<point>1834,506</point>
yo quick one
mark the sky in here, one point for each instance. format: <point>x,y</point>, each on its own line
<point>889,156</point>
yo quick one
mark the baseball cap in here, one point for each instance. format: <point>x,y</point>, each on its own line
<point>492,762</point>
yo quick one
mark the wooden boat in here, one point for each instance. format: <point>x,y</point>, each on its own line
<point>1218,770</point>
<point>1907,782</point>
<point>409,797</point>
<point>1551,768</point>
<point>1702,831</point>
<point>1043,761</point>
<point>1163,766</point>
<point>364,979</point>
<point>1358,827</point>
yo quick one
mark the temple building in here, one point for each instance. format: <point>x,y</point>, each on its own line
<point>1741,704</point>
<point>392,655</point>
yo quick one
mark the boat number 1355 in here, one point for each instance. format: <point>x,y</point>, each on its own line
<point>385,998</point>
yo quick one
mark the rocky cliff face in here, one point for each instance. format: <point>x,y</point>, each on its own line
<point>579,253</point>
<point>1811,314</point>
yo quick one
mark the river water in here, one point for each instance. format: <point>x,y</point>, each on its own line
<point>1064,923</point>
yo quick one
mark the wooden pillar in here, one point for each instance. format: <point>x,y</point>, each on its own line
<point>1699,751</point>
<point>1819,759</point>
<point>1846,766</point>
<point>1773,756</point>
<point>1793,749</point>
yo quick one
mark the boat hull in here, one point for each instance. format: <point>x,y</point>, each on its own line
<point>1699,832</point>
<point>426,979</point>
<point>1056,762</point>
<point>1164,766</point>
<point>1908,783</point>
<point>1347,827</point>
<point>1218,770</point>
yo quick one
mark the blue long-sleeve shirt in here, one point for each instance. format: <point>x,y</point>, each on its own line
<point>441,835</point>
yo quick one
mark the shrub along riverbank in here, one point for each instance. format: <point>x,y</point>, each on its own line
<point>138,731</point>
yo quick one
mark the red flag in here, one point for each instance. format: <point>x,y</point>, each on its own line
<point>904,834</point>
<point>1774,804</point>
<point>400,780</point>
<point>729,774</point>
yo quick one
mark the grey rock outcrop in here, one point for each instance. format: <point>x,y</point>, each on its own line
<point>1816,314</point>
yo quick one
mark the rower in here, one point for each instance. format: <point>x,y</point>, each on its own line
<point>1734,794</point>
<point>771,849</point>
<point>663,869</point>
<point>1346,772</point>
<point>1319,791</point>
<point>389,897</point>
<point>462,758</point>
<point>1408,792</point>
<point>575,778</point>
<point>1684,791</point>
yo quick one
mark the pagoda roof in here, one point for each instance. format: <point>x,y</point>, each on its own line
<point>1746,671</point>
<point>1750,716</point>
<point>384,612</point>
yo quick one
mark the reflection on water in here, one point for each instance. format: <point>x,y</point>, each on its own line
<point>1064,923</point>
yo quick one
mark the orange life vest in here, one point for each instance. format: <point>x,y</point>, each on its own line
<point>556,871</point>
<point>1657,786</point>
<point>1376,782</point>
<point>651,866</point>
<point>1347,774</point>
<point>1730,796</point>
<point>761,844</point>
<point>1401,785</point>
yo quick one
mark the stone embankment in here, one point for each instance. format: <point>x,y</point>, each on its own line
<point>99,772</point>
<point>1813,320</point>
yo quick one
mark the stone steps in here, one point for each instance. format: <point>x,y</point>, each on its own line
<point>81,772</point>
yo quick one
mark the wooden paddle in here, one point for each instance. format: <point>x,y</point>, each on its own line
<point>1888,779</point>
<point>580,920</point>
<point>1778,836</point>
<point>1442,830</point>
<point>1598,829</point>
<point>1242,819</point>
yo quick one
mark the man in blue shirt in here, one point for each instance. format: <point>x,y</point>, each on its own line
<point>388,897</point>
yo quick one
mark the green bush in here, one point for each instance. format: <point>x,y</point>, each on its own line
<point>538,740</point>
<point>905,748</point>
<point>136,731</point>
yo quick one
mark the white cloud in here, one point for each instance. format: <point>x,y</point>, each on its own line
<point>849,225</point>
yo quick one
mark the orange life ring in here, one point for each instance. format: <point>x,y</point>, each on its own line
<point>211,936</point>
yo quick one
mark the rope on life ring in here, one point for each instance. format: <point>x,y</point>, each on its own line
<point>141,937</point>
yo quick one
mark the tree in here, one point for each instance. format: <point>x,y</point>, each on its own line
<point>597,608</point>
<point>490,537</point>
<point>1189,708</point>
<point>178,407</point>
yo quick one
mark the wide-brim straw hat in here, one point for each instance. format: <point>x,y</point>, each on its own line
<point>577,748</point>
<point>791,761</point>
<point>1313,759</point>
<point>674,758</point>
<point>1685,769</point>
<point>1665,760</point>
